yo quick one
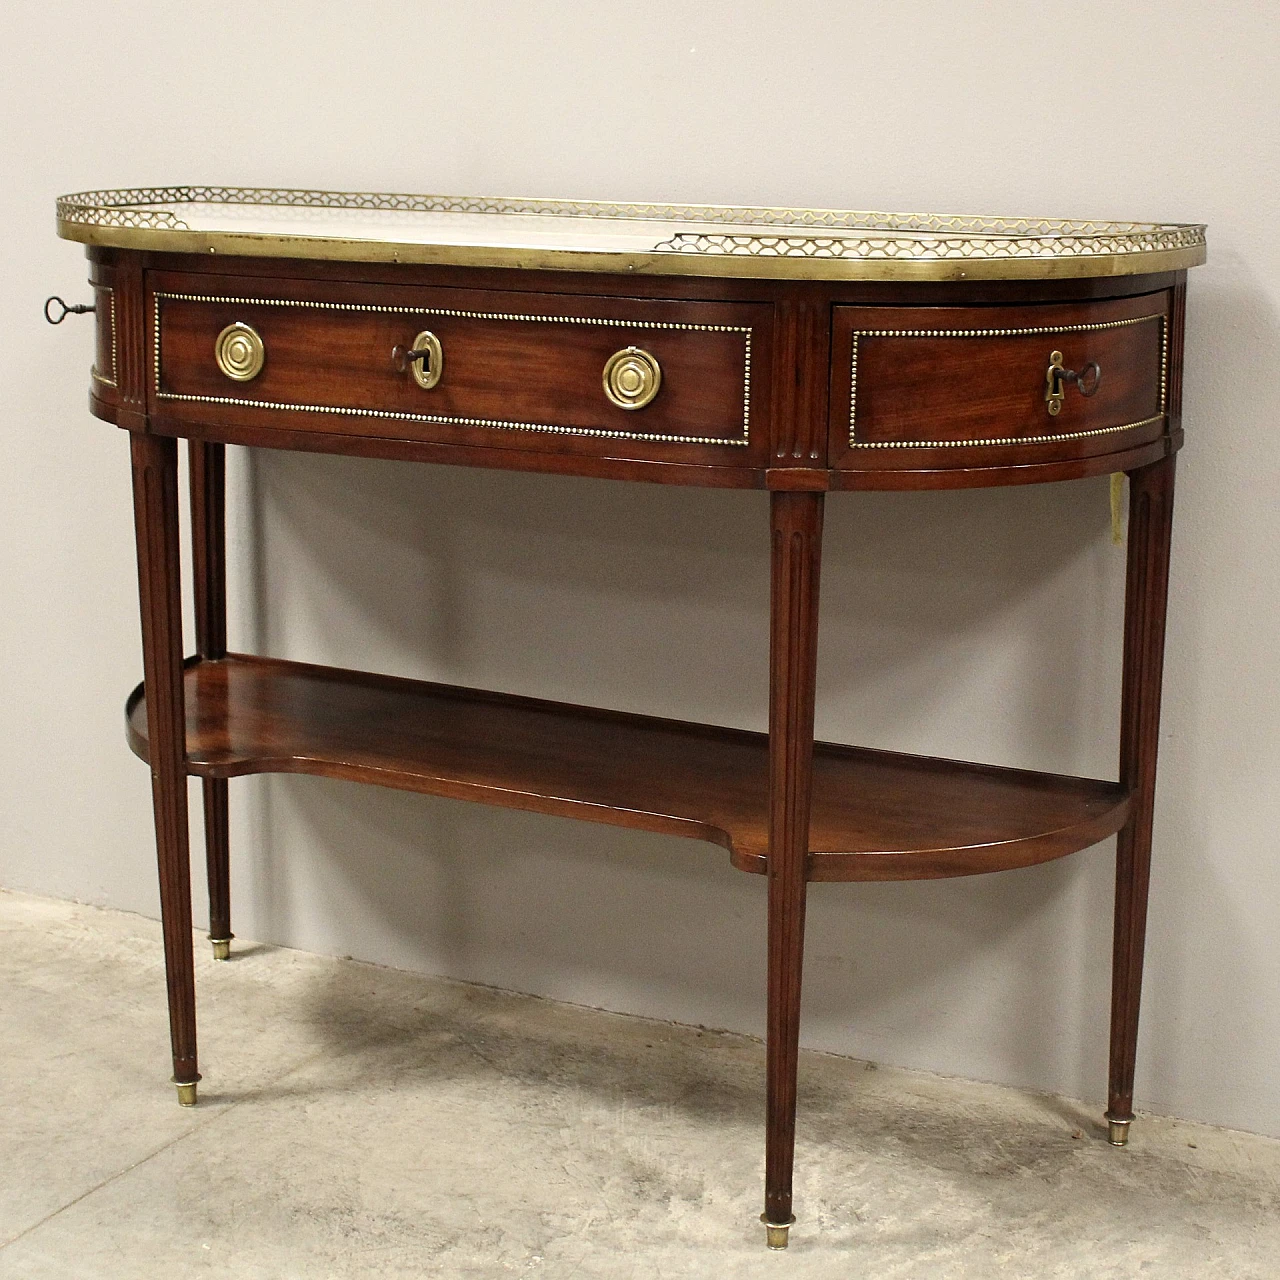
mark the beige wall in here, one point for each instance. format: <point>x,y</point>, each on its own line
<point>980,624</point>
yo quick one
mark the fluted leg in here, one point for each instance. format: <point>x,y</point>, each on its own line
<point>1146,595</point>
<point>797,539</point>
<point>207,467</point>
<point>155,509</point>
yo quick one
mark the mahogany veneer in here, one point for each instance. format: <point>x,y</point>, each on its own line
<point>520,369</point>
<point>909,381</point>
<point>876,815</point>
<point>800,354</point>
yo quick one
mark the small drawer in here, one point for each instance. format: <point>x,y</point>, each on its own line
<point>621,377</point>
<point>990,386</point>
<point>106,357</point>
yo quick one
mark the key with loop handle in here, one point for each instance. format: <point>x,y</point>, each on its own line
<point>1057,377</point>
<point>66,309</point>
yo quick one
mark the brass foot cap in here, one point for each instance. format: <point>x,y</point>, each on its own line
<point>1118,1132</point>
<point>775,1233</point>
<point>221,948</point>
<point>187,1094</point>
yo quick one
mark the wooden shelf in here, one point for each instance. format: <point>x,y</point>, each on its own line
<point>877,815</point>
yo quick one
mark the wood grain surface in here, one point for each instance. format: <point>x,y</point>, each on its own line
<point>521,371</point>
<point>876,815</point>
<point>956,378</point>
<point>155,506</point>
<point>1146,599</point>
<point>773,408</point>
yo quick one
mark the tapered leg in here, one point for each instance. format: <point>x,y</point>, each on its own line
<point>793,656</point>
<point>1146,595</point>
<point>218,864</point>
<point>207,468</point>
<point>155,513</point>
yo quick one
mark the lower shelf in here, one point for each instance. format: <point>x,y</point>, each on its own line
<point>876,815</point>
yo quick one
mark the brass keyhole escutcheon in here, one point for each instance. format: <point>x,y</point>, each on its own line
<point>632,378</point>
<point>1056,378</point>
<point>239,352</point>
<point>1053,391</point>
<point>426,360</point>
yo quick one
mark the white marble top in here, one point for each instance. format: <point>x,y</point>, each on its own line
<point>581,235</point>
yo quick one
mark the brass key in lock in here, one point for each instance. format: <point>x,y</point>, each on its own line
<point>1056,378</point>
<point>425,360</point>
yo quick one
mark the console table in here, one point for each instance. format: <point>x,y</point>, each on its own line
<point>794,351</point>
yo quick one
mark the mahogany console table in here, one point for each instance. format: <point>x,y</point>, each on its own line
<point>798,352</point>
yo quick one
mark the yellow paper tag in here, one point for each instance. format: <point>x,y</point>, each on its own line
<point>1117,507</point>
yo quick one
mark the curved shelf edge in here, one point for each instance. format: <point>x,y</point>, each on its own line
<point>876,815</point>
<point>939,864</point>
<point>205,763</point>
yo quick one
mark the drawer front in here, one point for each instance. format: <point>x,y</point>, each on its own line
<point>963,387</point>
<point>515,370</point>
<point>106,343</point>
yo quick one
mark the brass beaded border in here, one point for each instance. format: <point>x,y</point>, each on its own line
<point>855,443</point>
<point>549,428</point>
<point>94,372</point>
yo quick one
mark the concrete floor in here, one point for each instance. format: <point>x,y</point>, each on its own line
<point>357,1121</point>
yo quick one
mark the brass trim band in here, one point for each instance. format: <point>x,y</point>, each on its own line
<point>776,243</point>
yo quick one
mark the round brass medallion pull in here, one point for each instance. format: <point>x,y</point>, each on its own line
<point>239,352</point>
<point>425,360</point>
<point>1056,379</point>
<point>632,378</point>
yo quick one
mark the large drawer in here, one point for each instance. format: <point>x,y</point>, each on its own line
<point>990,386</point>
<point>546,372</point>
